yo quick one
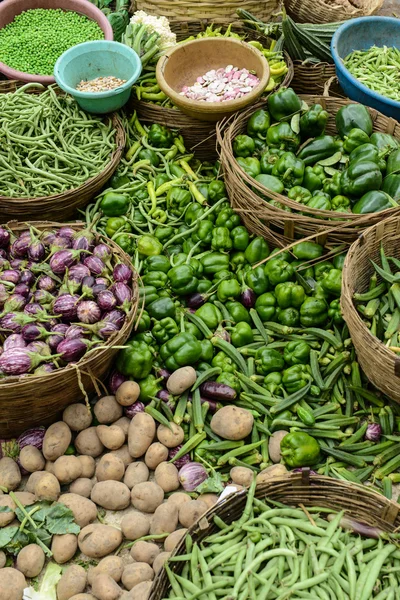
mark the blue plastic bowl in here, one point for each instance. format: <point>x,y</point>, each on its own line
<point>361,34</point>
<point>98,59</point>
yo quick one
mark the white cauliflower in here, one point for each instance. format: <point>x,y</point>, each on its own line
<point>158,25</point>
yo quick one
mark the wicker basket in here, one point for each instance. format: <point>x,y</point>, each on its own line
<point>29,401</point>
<point>304,11</point>
<point>218,11</point>
<point>381,365</point>
<point>309,78</point>
<point>299,488</point>
<point>199,136</point>
<point>63,206</point>
<point>286,227</point>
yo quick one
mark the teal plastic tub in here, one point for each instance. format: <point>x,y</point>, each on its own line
<point>98,59</point>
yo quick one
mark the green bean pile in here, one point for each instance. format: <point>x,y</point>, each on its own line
<point>277,552</point>
<point>378,69</point>
<point>48,145</point>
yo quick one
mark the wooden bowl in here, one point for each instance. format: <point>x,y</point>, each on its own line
<point>185,62</point>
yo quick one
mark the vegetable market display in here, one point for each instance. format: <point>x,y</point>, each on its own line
<point>377,68</point>
<point>118,18</point>
<point>286,150</point>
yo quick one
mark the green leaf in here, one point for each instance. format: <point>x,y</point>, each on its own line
<point>330,171</point>
<point>295,123</point>
<point>331,160</point>
<point>6,535</point>
<point>212,485</point>
<point>60,520</point>
<point>18,541</point>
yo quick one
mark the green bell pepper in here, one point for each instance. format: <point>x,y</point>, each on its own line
<point>289,294</point>
<point>210,314</point>
<point>149,388</point>
<point>314,178</point>
<point>231,380</point>
<point>288,316</point>
<point>148,245</point>
<point>258,124</point>
<point>114,204</point>
<point>214,262</point>
<point>229,289</point>
<point>160,179</point>
<point>268,160</point>
<point>193,213</point>
<point>271,183</point>
<point>391,185</point>
<point>307,250</point>
<point>360,177</point>
<point>334,312</point>
<point>227,218</point>
<point>144,322</point>
<point>243,146</point>
<point>182,280</point>
<point>150,155</point>
<point>313,122</point>
<point>366,152</point>
<point>221,239</point>
<point>353,116</point>
<point>164,233</point>
<point>268,360</point>
<point>118,180</point>
<point>320,202</point>
<point>257,250</point>
<point>332,282</point>
<point>180,351</point>
<point>374,201</point>
<point>149,293</point>
<point>194,330</point>
<point>207,350</point>
<point>250,165</point>
<point>272,381</point>
<point>279,271</point>
<point>283,103</point>
<point>164,330</point>
<point>117,223</point>
<point>354,139</point>
<point>238,260</point>
<point>238,312</point>
<point>282,136</point>
<point>313,312</point>
<point>265,306</point>
<point>318,149</point>
<point>160,136</point>
<point>338,260</point>
<point>177,200</point>
<point>156,263</point>
<point>223,361</point>
<point>257,280</point>
<point>161,308</point>
<point>299,449</point>
<point>241,335</point>
<point>295,378</point>
<point>384,142</point>
<point>203,232</point>
<point>393,162</point>
<point>297,353</point>
<point>135,361</point>
<point>156,278</point>
<point>216,191</point>
<point>289,169</point>
<point>332,185</point>
<point>240,238</point>
<point>340,203</point>
<point>299,194</point>
<point>321,268</point>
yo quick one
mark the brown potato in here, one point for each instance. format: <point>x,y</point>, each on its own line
<point>97,541</point>
<point>47,488</point>
<point>270,473</point>
<point>127,393</point>
<point>190,512</point>
<point>77,417</point>
<point>10,475</point>
<point>49,466</point>
<point>26,498</point>
<point>210,499</point>
<point>12,584</point>
<point>232,423</point>
<point>107,410</point>
<point>64,547</point>
<point>3,559</point>
<point>160,560</point>
<point>31,459</point>
<point>274,445</point>
<point>140,591</point>
<point>85,511</point>
<point>67,468</point>
<point>105,588</point>
<point>72,582</point>
<point>179,498</point>
<point>136,573</point>
<point>242,476</point>
<point>181,380</point>
<point>144,552</point>
<point>123,454</point>
<point>83,597</point>
<point>170,437</point>
<point>135,473</point>
<point>56,440</point>
<point>7,517</point>
<point>111,436</point>
<point>87,442</point>
<point>111,495</point>
<point>165,519</point>
<point>88,466</point>
<point>171,542</point>
<point>147,496</point>
<point>135,525</point>
<point>82,486</point>
<point>156,454</point>
<point>166,476</point>
<point>32,481</point>
<point>110,565</point>
<point>141,434</point>
<point>110,467</point>
<point>30,560</point>
<point>123,423</point>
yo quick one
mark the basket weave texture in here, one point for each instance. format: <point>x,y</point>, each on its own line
<point>63,206</point>
<point>276,224</point>
<point>359,502</point>
<point>381,365</point>
<point>219,11</point>
<point>315,78</point>
<point>199,136</point>
<point>304,11</point>
<point>38,400</point>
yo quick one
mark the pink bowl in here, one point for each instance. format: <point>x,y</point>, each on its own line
<point>9,9</point>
